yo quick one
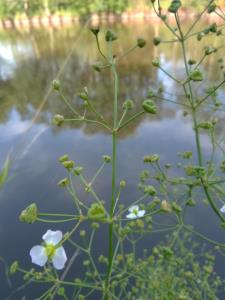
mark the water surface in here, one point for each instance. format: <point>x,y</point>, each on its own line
<point>29,61</point>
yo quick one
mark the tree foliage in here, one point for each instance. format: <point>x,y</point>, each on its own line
<point>12,8</point>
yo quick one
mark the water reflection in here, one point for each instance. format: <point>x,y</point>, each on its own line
<point>29,62</point>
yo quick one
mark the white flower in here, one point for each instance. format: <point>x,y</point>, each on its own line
<point>222,209</point>
<point>51,251</point>
<point>135,213</point>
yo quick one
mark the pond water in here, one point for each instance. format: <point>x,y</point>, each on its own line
<point>29,61</point>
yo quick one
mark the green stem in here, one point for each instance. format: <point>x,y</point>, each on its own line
<point>212,203</point>
<point>194,117</point>
<point>198,18</point>
<point>57,221</point>
<point>169,75</point>
<point>170,100</point>
<point>56,215</point>
<point>203,237</point>
<point>68,103</point>
<point>207,96</point>
<point>99,49</point>
<point>130,120</point>
<point>97,173</point>
<point>89,121</point>
<point>113,195</point>
<point>199,151</point>
<point>127,52</point>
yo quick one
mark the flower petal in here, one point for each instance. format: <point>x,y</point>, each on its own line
<point>132,208</point>
<point>131,216</point>
<point>38,255</point>
<point>141,213</point>
<point>59,259</point>
<point>52,237</point>
<point>222,209</point>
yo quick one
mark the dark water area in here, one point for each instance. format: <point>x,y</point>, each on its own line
<point>29,61</point>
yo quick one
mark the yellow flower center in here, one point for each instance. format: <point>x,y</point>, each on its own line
<point>135,211</point>
<point>50,251</point>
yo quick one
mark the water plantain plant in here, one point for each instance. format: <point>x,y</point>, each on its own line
<point>167,271</point>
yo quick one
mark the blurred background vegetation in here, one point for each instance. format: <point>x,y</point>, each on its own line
<point>15,8</point>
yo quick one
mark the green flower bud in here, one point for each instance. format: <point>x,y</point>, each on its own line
<point>174,6</point>
<point>95,225</point>
<point>85,103</point>
<point>95,30</point>
<point>167,166</point>
<point>186,154</point>
<point>97,66</point>
<point>82,233</point>
<point>150,190</point>
<point>96,212</point>
<point>209,50</point>
<point>81,297</point>
<point>206,30</point>
<point>156,62</point>
<point>78,281</point>
<point>189,274</point>
<point>167,252</point>
<point>29,214</point>
<point>165,206</point>
<point>122,184</point>
<point>205,125</point>
<point>63,182</point>
<point>69,164</point>
<point>208,269</point>
<point>78,170</point>
<point>61,291</point>
<point>110,36</point>
<point>56,85</point>
<point>195,171</point>
<point>63,158</point>
<point>14,267</point>
<point>128,104</point>
<point>102,259</point>
<point>140,224</point>
<point>86,263</point>
<point>151,158</point>
<point>200,35</point>
<point>191,202</point>
<point>196,75</point>
<point>191,62</point>
<point>176,208</point>
<point>107,158</point>
<point>38,275</point>
<point>211,8</point>
<point>58,120</point>
<point>149,106</point>
<point>156,41</point>
<point>213,27</point>
<point>141,42</point>
<point>83,95</point>
<point>156,201</point>
<point>144,175</point>
<point>151,94</point>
